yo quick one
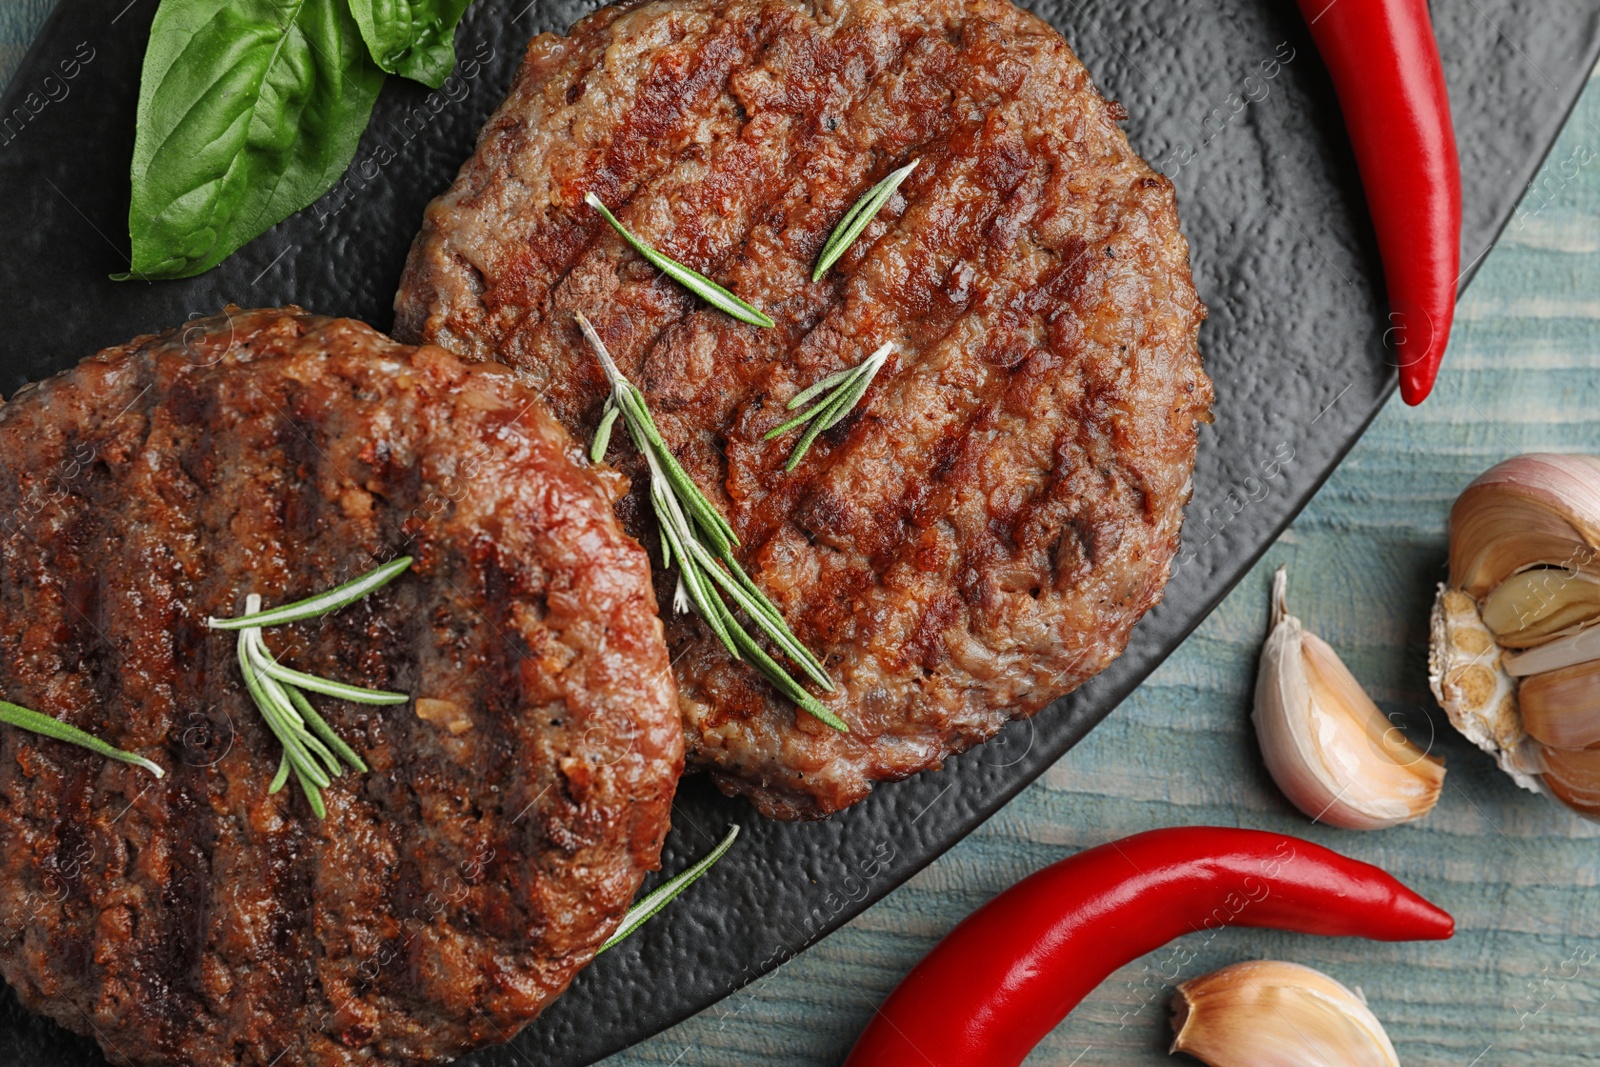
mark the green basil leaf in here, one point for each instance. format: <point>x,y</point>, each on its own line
<point>249,110</point>
<point>412,38</point>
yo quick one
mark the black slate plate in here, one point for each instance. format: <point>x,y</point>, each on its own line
<point>1282,250</point>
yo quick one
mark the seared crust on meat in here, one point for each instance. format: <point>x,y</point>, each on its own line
<point>512,807</point>
<point>979,537</point>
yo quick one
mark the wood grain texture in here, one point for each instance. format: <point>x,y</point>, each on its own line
<point>1519,873</point>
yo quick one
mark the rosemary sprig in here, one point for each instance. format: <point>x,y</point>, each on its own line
<point>667,892</point>
<point>695,282</point>
<point>312,751</point>
<point>840,392</point>
<point>33,721</point>
<point>700,539</point>
<point>855,220</point>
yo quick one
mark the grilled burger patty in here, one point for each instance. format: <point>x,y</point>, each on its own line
<point>979,537</point>
<point>512,807</point>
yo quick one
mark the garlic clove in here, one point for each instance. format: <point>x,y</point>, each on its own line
<point>1567,651</point>
<point>1327,745</point>
<point>1466,676</point>
<point>1532,510</point>
<point>1574,779</point>
<point>1562,708</point>
<point>1271,1014</point>
<point>1538,606</point>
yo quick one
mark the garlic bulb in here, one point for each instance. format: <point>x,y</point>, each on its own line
<point>1272,1014</point>
<point>1327,745</point>
<point>1515,654</point>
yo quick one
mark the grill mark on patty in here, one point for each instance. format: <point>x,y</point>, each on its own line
<point>996,539</point>
<point>169,969</point>
<point>169,966</point>
<point>970,437</point>
<point>74,937</point>
<point>662,105</point>
<point>72,849</point>
<point>499,700</point>
<point>287,882</point>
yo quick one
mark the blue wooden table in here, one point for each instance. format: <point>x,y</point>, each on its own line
<point>1520,984</point>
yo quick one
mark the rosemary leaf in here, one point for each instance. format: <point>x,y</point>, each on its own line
<point>807,439</point>
<point>811,663</point>
<point>36,722</point>
<point>842,392</point>
<point>667,547</point>
<point>847,401</point>
<point>305,750</point>
<point>668,891</point>
<point>639,420</point>
<point>268,665</point>
<point>279,779</point>
<point>786,684</point>
<point>703,570</point>
<point>696,283</point>
<point>321,604</point>
<point>804,417</point>
<point>675,481</point>
<point>602,433</point>
<point>320,727</point>
<point>820,387</point>
<point>856,219</point>
<point>313,795</point>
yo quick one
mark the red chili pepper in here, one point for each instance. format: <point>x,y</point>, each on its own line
<point>1385,65</point>
<point>987,993</point>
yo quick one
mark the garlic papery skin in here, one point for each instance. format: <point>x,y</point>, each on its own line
<point>1327,745</point>
<point>1532,510</point>
<point>1271,1014</point>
